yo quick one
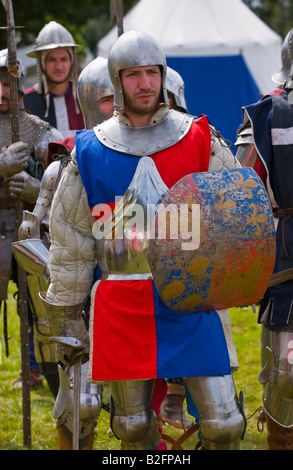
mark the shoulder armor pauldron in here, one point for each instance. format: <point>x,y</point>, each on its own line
<point>147,140</point>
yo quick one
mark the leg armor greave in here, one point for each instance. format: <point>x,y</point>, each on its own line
<point>277,378</point>
<point>90,403</point>
<point>133,419</point>
<point>221,417</point>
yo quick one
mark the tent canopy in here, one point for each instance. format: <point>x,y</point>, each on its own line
<point>224,52</point>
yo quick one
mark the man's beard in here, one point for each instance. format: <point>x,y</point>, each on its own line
<point>139,109</point>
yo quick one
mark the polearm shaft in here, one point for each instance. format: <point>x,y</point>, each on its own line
<point>76,404</point>
<point>116,11</point>
<point>281,276</point>
<point>12,69</point>
<point>21,275</point>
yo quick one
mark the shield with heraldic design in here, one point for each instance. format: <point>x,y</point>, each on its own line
<point>215,242</point>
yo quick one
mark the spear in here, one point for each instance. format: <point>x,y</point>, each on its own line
<point>21,275</point>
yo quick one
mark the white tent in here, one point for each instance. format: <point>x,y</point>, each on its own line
<point>224,52</point>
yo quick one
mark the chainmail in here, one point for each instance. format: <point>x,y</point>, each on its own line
<point>286,327</point>
<point>31,129</point>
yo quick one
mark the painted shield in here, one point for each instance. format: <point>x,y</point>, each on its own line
<point>215,242</point>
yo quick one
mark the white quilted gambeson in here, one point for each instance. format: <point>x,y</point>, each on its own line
<point>72,252</point>
<point>221,157</point>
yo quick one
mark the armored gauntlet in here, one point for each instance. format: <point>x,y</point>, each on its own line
<point>13,159</point>
<point>24,187</point>
<point>69,329</point>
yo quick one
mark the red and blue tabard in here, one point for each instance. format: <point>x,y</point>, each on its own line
<point>134,335</point>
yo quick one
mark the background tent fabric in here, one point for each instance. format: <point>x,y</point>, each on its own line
<point>223,51</point>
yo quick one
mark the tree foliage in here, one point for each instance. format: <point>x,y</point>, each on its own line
<point>278,14</point>
<point>87,20</point>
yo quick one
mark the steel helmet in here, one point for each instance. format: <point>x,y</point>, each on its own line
<point>134,49</point>
<point>287,58</point>
<point>4,70</point>
<point>93,84</point>
<point>175,85</point>
<point>52,36</point>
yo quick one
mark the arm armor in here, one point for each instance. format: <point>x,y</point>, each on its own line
<point>30,227</point>
<point>66,322</point>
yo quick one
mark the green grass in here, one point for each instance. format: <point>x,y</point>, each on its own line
<point>43,428</point>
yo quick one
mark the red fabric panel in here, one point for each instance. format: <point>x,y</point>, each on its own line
<point>124,331</point>
<point>260,170</point>
<point>160,392</point>
<point>277,91</point>
<point>53,147</point>
<point>189,155</point>
<point>76,121</point>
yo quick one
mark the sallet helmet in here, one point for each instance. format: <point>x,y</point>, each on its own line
<point>175,85</point>
<point>52,36</point>
<point>134,49</point>
<point>93,84</point>
<point>287,58</point>
<point>4,71</point>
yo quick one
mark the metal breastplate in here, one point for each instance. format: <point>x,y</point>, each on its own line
<point>143,141</point>
<point>123,249</point>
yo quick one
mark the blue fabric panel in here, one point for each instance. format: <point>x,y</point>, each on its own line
<point>103,179</point>
<point>261,112</point>
<point>204,348</point>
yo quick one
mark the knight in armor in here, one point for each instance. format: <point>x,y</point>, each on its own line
<point>134,339</point>
<point>265,143</point>
<point>22,165</point>
<point>54,97</point>
<point>96,95</point>
<point>96,98</point>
